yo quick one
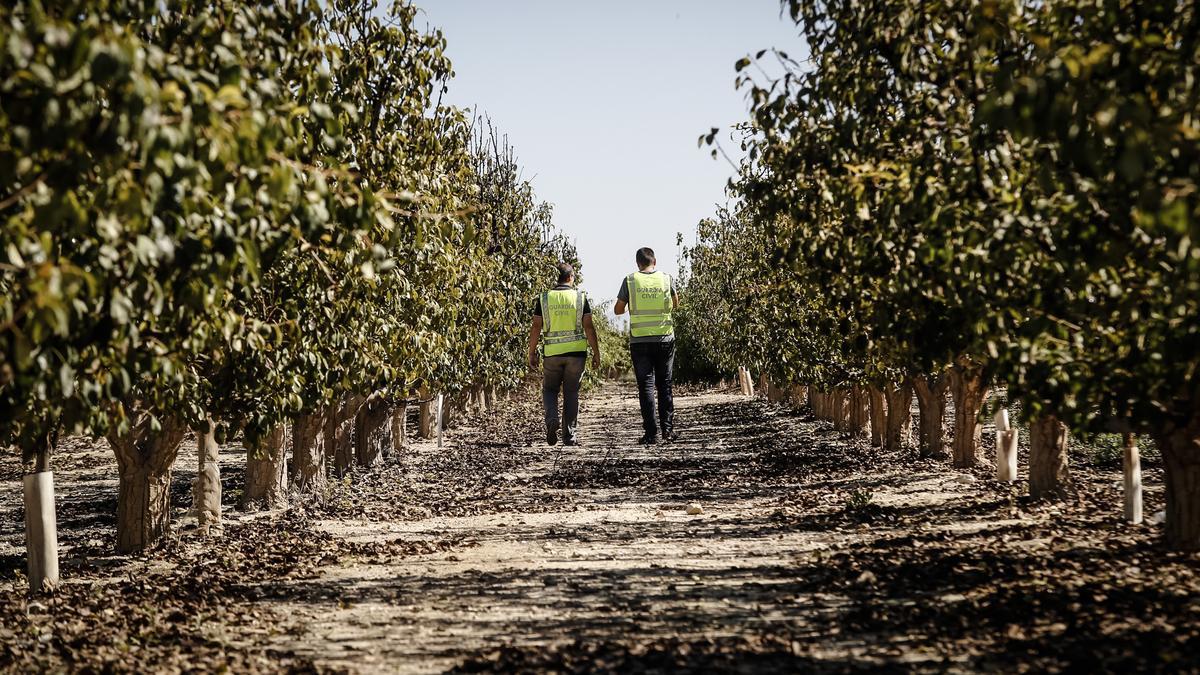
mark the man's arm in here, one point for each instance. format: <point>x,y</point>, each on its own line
<point>619,308</point>
<point>674,299</point>
<point>622,298</point>
<point>535,331</point>
<point>589,329</point>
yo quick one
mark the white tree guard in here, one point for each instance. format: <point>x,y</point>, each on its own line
<point>41,530</point>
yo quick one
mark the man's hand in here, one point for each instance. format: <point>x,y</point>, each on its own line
<point>535,331</point>
<point>589,329</point>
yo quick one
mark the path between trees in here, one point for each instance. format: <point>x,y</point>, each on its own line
<point>626,561</point>
<point>497,553</point>
<point>592,550</point>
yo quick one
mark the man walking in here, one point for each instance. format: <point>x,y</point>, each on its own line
<point>650,296</point>
<point>563,318</point>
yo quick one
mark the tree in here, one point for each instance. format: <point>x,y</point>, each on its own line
<point>1107,103</point>
<point>871,163</point>
<point>245,230</point>
<point>155,166</point>
<point>1004,189</point>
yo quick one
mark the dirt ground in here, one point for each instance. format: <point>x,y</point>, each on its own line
<point>496,553</point>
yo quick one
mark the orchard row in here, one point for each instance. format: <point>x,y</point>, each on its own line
<point>971,195</point>
<point>241,217</point>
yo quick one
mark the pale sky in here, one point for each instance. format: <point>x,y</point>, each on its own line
<point>603,103</point>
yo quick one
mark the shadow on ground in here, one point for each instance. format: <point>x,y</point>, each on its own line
<point>816,553</point>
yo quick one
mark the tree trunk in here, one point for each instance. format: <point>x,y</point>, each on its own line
<point>372,433</point>
<point>426,420</point>
<point>35,458</point>
<point>899,416</point>
<point>1180,449</point>
<point>400,425</point>
<point>266,470</point>
<point>1007,446</point>
<point>206,489</point>
<point>309,450</point>
<point>860,415</point>
<point>465,402</point>
<point>1049,474</point>
<point>449,408</point>
<point>799,396</point>
<point>878,416</point>
<point>339,437</point>
<point>852,414</point>
<point>970,391</point>
<point>456,410</point>
<point>931,400</point>
<point>144,461</point>
<point>489,399</point>
<point>841,409</point>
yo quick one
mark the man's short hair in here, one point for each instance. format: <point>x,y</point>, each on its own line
<point>645,257</point>
<point>565,272</point>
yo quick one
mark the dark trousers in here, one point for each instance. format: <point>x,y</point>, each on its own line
<point>562,373</point>
<point>652,364</point>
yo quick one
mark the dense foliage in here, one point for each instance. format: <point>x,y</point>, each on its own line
<point>245,212</point>
<point>1004,190</point>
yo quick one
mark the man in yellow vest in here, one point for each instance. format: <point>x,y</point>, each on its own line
<point>650,297</point>
<point>562,317</point>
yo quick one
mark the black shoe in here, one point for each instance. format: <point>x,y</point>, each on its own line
<point>648,439</point>
<point>570,442</point>
<point>552,437</point>
<point>669,436</point>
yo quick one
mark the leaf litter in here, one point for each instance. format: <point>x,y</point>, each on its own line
<point>981,579</point>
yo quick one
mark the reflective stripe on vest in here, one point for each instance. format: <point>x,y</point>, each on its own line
<point>650,304</point>
<point>562,327</point>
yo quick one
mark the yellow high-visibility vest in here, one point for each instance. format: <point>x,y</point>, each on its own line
<point>650,304</point>
<point>562,327</point>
